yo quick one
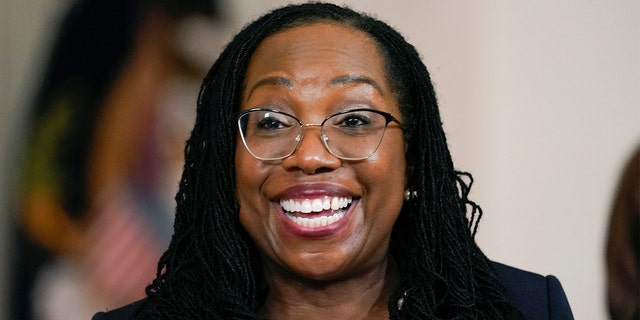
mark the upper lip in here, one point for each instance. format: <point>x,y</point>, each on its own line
<point>314,190</point>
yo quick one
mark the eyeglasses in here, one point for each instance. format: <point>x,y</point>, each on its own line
<point>349,135</point>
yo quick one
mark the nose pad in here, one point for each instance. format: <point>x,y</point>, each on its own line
<point>325,143</point>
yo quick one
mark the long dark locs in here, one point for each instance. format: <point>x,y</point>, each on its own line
<point>444,274</point>
<point>211,269</point>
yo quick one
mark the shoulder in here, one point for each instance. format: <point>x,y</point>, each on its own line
<point>125,312</point>
<point>537,296</point>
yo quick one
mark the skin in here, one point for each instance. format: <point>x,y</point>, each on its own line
<point>344,270</point>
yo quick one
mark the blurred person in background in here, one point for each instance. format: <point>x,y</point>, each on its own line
<point>623,296</point>
<point>104,156</point>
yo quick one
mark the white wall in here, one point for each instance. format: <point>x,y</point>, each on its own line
<point>541,102</point>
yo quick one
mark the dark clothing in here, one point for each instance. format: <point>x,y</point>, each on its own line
<point>538,297</point>
<point>123,313</point>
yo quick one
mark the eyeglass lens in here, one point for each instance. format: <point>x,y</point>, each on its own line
<point>351,135</point>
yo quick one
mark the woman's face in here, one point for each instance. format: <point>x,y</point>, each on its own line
<point>311,72</point>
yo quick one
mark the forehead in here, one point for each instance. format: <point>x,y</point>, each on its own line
<point>315,50</point>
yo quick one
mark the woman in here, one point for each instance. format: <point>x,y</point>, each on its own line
<point>318,185</point>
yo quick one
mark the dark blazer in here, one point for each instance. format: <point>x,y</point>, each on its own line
<point>538,297</point>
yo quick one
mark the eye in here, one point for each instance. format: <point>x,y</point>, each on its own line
<point>271,121</point>
<point>270,124</point>
<point>353,121</point>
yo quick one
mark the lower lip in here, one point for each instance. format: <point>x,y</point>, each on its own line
<point>317,232</point>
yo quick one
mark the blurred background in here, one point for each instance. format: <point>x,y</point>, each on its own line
<point>540,100</point>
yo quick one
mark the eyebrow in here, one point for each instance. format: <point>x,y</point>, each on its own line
<point>354,78</point>
<point>276,81</point>
<point>337,81</point>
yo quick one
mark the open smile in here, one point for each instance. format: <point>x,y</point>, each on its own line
<point>316,213</point>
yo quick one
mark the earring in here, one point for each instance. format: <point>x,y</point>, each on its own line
<point>409,194</point>
<point>401,301</point>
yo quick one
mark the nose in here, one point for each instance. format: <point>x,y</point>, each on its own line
<point>312,156</point>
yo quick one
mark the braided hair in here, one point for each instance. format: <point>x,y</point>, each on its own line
<point>212,269</point>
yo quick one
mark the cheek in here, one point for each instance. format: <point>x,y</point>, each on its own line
<point>250,177</point>
<point>250,215</point>
<point>247,182</point>
<point>385,179</point>
<point>389,164</point>
<point>244,170</point>
<point>250,172</point>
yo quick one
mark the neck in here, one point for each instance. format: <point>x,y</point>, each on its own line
<point>364,296</point>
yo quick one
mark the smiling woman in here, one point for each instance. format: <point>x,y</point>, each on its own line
<point>315,60</point>
<point>318,185</point>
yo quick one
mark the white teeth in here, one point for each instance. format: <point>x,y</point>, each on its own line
<point>306,206</point>
<point>317,221</point>
<point>326,204</point>
<point>337,203</point>
<point>315,205</point>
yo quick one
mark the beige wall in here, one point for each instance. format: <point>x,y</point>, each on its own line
<point>541,101</point>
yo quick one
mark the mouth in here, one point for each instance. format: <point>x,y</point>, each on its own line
<point>316,213</point>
